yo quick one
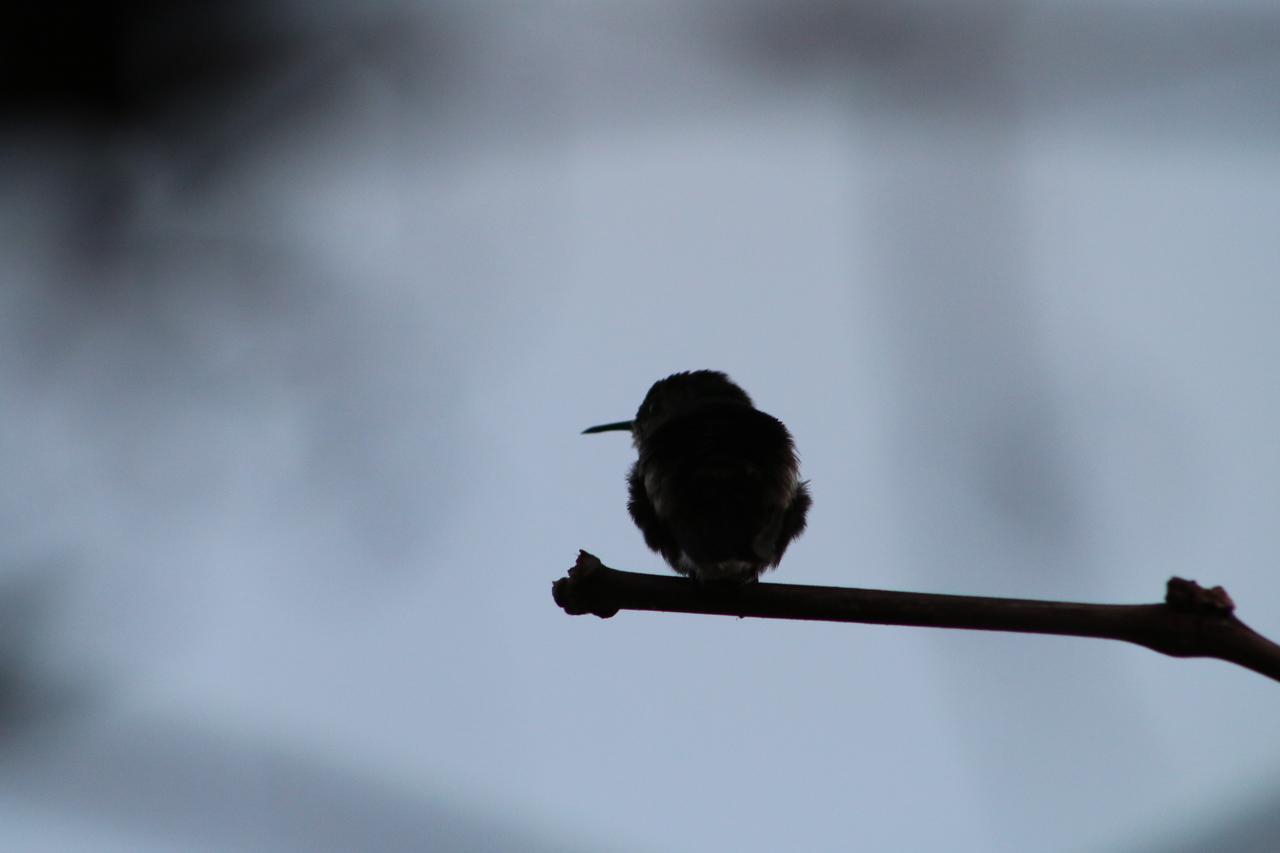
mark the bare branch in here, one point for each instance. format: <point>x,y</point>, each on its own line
<point>1192,621</point>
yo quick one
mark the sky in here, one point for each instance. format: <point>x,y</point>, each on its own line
<point>305,308</point>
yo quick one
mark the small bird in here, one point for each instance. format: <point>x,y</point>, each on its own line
<point>716,489</point>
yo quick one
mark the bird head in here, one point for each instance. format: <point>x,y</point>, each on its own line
<point>674,396</point>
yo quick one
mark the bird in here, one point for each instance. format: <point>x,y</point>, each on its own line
<point>716,489</point>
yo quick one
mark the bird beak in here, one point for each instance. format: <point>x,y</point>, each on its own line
<point>620,425</point>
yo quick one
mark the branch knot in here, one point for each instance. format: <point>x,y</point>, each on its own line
<point>1189,597</point>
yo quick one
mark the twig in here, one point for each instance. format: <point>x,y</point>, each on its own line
<point>1192,621</point>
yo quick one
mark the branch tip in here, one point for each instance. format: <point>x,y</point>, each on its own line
<point>579,592</point>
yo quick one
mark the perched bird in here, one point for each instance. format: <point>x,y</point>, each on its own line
<point>716,489</point>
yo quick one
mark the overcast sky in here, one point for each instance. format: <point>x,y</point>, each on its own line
<point>305,309</point>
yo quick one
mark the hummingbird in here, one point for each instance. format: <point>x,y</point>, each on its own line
<point>716,489</point>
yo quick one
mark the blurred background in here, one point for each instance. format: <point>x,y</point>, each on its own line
<point>305,304</point>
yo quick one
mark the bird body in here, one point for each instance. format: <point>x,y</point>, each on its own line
<point>716,488</point>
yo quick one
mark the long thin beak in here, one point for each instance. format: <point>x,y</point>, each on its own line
<point>608,427</point>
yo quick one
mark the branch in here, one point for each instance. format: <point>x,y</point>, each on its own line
<point>1192,621</point>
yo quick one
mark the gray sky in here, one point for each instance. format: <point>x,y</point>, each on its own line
<point>296,358</point>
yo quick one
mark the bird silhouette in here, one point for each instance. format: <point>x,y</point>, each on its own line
<point>716,488</point>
